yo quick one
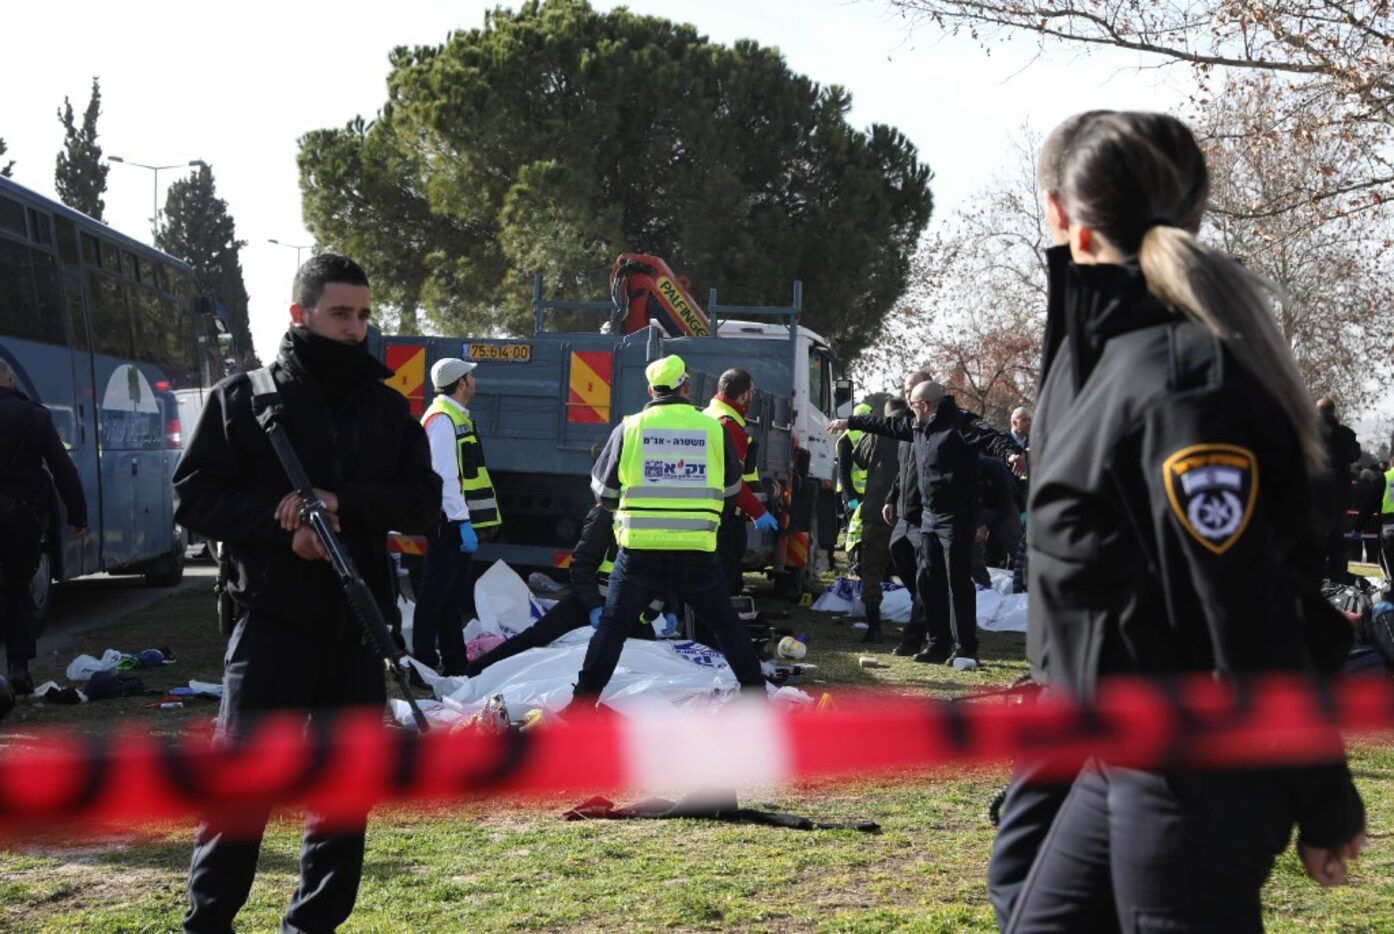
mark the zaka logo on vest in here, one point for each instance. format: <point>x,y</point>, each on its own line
<point>1212,489</point>
<point>682,471</point>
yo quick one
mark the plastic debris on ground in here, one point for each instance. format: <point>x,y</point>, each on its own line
<point>999,610</point>
<point>660,673</point>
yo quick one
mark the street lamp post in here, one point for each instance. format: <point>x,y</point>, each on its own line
<point>297,247</point>
<point>155,188</point>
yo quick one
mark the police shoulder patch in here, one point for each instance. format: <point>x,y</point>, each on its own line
<point>1212,489</point>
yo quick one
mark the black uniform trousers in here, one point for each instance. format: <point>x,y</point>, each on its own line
<point>275,664</point>
<point>641,575</point>
<point>1022,824</point>
<point>567,614</point>
<point>730,548</point>
<point>441,601</point>
<point>950,599</point>
<point>1142,852</point>
<point>19,559</point>
<point>905,558</point>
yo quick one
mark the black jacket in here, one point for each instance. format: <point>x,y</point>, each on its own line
<point>946,456</point>
<point>997,492</point>
<point>905,490</point>
<point>597,544</point>
<point>1168,524</point>
<point>1344,449</point>
<point>356,439</point>
<point>880,458</point>
<point>30,444</point>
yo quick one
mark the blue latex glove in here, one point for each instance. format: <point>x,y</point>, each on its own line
<point>852,505</point>
<point>668,623</point>
<point>469,540</point>
<point>595,617</point>
<point>767,523</point>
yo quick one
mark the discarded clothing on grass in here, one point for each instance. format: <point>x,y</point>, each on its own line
<point>999,610</point>
<point>104,685</point>
<point>707,805</point>
<point>84,666</point>
<point>51,693</point>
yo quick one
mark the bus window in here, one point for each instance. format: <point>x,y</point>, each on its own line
<point>77,323</point>
<point>129,267</point>
<point>50,301</point>
<point>111,257</point>
<point>179,339</point>
<point>11,216</point>
<point>152,326</point>
<point>18,311</point>
<point>40,229</point>
<point>147,272</point>
<point>111,325</point>
<point>91,253</point>
<point>67,241</point>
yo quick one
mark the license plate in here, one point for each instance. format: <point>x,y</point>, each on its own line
<point>500,353</point>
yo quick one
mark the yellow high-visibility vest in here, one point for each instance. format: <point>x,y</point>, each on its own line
<point>718,410</point>
<point>475,484</point>
<point>672,480</point>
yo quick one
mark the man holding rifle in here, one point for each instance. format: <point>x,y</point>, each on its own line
<point>296,645</point>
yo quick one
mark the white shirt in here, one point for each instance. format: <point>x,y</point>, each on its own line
<point>440,431</point>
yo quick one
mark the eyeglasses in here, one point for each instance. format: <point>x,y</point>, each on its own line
<point>915,402</point>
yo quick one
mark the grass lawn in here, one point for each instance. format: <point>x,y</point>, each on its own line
<point>516,865</point>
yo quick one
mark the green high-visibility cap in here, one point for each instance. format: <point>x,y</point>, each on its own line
<point>666,372</point>
<point>862,409</point>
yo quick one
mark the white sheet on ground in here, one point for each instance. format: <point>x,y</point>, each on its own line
<point>659,673</point>
<point>999,610</point>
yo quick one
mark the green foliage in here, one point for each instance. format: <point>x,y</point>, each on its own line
<point>8,168</point>
<point>199,230</point>
<point>556,137</point>
<point>80,175</point>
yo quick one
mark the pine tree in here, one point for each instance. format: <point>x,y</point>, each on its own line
<point>199,230</point>
<point>8,168</point>
<point>81,175</point>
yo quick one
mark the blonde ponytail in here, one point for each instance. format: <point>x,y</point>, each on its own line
<point>1236,305</point>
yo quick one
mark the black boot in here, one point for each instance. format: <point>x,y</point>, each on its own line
<point>20,681</point>
<point>873,625</point>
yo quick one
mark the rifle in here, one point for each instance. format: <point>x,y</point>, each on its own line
<point>267,407</point>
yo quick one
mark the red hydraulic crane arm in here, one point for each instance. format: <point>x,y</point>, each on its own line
<point>644,289</point>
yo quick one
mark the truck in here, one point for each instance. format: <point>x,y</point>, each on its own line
<point>545,405</point>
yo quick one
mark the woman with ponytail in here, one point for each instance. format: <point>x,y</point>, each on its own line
<point>1175,456</point>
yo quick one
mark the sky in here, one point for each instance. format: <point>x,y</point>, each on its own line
<point>237,91</point>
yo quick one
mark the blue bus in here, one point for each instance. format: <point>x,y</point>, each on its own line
<point>111,336</point>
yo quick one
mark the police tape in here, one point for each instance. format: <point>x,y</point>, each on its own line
<point>341,765</point>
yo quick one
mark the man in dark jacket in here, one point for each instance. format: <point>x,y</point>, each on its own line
<point>1344,450</point>
<point>31,443</point>
<point>591,561</point>
<point>879,460</point>
<point>296,646</point>
<point>904,512</point>
<point>947,443</point>
<point>999,519</point>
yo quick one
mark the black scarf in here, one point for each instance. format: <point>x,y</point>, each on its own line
<point>339,368</point>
